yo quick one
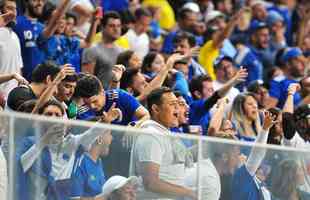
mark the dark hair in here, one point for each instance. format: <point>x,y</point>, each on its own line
<point>51,102</point>
<point>88,86</point>
<point>155,97</point>
<point>27,106</point>
<point>124,57</point>
<point>142,12</point>
<point>127,78</point>
<point>109,15</point>
<point>43,70</point>
<point>278,57</point>
<point>272,132</point>
<point>71,15</point>
<point>2,4</point>
<point>196,83</point>
<point>147,62</point>
<point>183,13</point>
<point>71,78</point>
<point>185,36</point>
<point>177,93</point>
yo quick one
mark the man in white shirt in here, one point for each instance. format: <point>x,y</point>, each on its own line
<point>158,160</point>
<point>10,51</point>
<point>137,37</point>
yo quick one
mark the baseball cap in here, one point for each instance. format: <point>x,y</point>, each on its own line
<point>220,58</point>
<point>273,17</point>
<point>291,53</point>
<point>192,6</point>
<point>117,182</point>
<point>213,15</point>
<point>256,25</point>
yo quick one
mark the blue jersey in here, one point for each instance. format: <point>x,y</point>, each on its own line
<point>244,186</point>
<point>278,89</point>
<point>55,49</point>
<point>125,102</point>
<point>72,45</point>
<point>29,33</point>
<point>88,177</point>
<point>198,115</point>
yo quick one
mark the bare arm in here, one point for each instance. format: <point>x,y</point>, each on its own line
<point>289,103</point>
<point>93,28</point>
<point>51,27</point>
<point>7,77</point>
<point>217,118</point>
<point>151,182</point>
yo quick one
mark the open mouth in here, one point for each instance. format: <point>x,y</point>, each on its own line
<point>175,115</point>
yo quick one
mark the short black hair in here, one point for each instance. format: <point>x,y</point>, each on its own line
<point>109,15</point>
<point>196,83</point>
<point>41,71</point>
<point>124,57</point>
<point>142,12</point>
<point>71,15</point>
<point>71,78</point>
<point>51,102</point>
<point>183,35</point>
<point>183,13</point>
<point>177,93</point>
<point>127,78</point>
<point>147,61</point>
<point>27,106</point>
<point>155,97</point>
<point>88,86</point>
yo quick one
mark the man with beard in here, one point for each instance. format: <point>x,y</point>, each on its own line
<point>293,69</point>
<point>30,32</point>
<point>10,55</point>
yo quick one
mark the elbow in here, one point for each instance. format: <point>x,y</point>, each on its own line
<point>149,183</point>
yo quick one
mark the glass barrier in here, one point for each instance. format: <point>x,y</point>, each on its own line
<point>53,159</point>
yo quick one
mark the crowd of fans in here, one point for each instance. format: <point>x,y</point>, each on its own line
<point>234,69</point>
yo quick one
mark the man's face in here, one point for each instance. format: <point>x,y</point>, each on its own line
<point>70,23</point>
<point>168,110</point>
<point>207,89</point>
<point>226,71</point>
<point>96,102</point>
<point>189,22</point>
<point>139,83</point>
<point>306,86</point>
<point>127,192</point>
<point>262,96</point>
<point>183,111</point>
<point>112,30</point>
<point>66,90</point>
<point>52,111</point>
<point>142,25</point>
<point>297,67</point>
<point>61,26</point>
<point>10,6</point>
<point>262,38</point>
<point>182,68</point>
<point>35,7</point>
<point>259,12</point>
<point>183,47</point>
<point>218,22</point>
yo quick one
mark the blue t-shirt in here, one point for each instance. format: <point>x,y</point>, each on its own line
<point>278,89</point>
<point>88,177</point>
<point>198,115</point>
<point>55,49</point>
<point>244,186</point>
<point>29,33</point>
<point>72,45</point>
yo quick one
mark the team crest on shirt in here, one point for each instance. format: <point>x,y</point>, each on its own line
<point>92,177</point>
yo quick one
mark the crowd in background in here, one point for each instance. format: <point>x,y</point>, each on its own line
<point>234,69</point>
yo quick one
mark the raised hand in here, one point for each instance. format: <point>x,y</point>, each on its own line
<point>6,18</point>
<point>293,88</point>
<point>21,80</point>
<point>269,120</point>
<point>117,72</point>
<point>112,114</point>
<point>240,76</point>
<point>67,70</point>
<point>173,58</point>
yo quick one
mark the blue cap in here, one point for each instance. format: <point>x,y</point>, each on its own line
<point>220,58</point>
<point>273,17</point>
<point>291,53</point>
<point>256,25</point>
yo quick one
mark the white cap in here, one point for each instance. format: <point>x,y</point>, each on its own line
<point>192,6</point>
<point>212,15</point>
<point>117,182</point>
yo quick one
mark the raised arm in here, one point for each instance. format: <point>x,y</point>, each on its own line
<point>6,18</point>
<point>7,77</point>
<point>51,27</point>
<point>221,36</point>
<point>289,103</point>
<point>49,91</point>
<point>217,118</point>
<point>258,153</point>
<point>97,16</point>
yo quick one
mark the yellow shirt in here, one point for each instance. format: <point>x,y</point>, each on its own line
<point>120,42</point>
<point>167,17</point>
<point>207,55</point>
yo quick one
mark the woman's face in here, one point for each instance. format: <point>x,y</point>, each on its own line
<point>135,62</point>
<point>158,63</point>
<point>250,108</point>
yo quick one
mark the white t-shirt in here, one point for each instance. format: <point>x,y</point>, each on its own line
<point>10,58</point>
<point>138,43</point>
<point>86,4</point>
